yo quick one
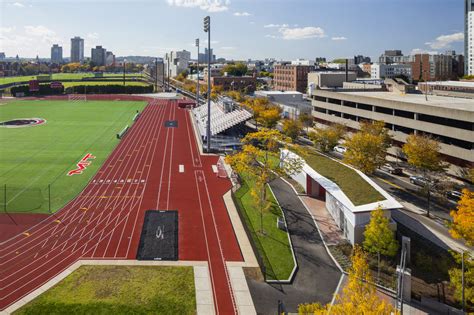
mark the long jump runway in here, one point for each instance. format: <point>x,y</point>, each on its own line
<point>154,167</point>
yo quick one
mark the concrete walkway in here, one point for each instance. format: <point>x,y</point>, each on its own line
<point>317,277</point>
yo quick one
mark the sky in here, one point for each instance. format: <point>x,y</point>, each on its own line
<point>240,29</point>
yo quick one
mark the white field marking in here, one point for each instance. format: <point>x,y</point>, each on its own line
<point>205,239</point>
<point>140,160</point>
<point>214,168</point>
<point>162,169</point>
<point>72,222</point>
<point>220,245</point>
<point>152,150</point>
<point>181,168</point>
<point>162,117</point>
<point>70,205</point>
<point>171,161</point>
<point>197,159</point>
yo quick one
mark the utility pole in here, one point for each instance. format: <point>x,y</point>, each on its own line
<point>207,29</point>
<point>156,74</point>
<point>124,62</point>
<point>197,72</point>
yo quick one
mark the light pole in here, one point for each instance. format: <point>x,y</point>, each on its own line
<point>156,75</point>
<point>124,63</point>
<point>197,72</point>
<point>207,29</point>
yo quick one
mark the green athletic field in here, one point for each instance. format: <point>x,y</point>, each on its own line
<point>33,158</point>
<point>65,76</point>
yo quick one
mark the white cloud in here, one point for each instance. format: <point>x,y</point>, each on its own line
<point>275,25</point>
<point>206,5</point>
<point>93,35</point>
<point>5,29</point>
<point>42,32</point>
<point>271,36</point>
<point>445,41</point>
<point>252,22</point>
<point>339,38</point>
<point>242,14</point>
<point>416,51</point>
<point>18,4</point>
<point>227,48</point>
<point>301,32</point>
<point>28,41</point>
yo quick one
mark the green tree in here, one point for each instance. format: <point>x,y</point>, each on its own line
<point>379,238</point>
<point>239,69</point>
<point>292,128</point>
<point>455,277</point>
<point>423,154</point>
<point>257,159</point>
<point>328,137</point>
<point>367,148</point>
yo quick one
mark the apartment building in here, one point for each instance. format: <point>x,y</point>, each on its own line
<point>77,49</point>
<point>291,77</point>
<point>56,54</point>
<point>389,71</point>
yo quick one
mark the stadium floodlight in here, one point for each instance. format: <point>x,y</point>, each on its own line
<point>207,29</point>
<point>207,24</point>
<point>197,72</point>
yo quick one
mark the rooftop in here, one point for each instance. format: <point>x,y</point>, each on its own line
<point>419,99</point>
<point>466,84</point>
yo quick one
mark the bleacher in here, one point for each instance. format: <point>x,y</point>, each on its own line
<point>220,119</point>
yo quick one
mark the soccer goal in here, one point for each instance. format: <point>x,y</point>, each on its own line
<point>77,97</point>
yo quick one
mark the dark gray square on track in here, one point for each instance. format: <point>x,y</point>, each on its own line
<point>159,238</point>
<point>171,124</point>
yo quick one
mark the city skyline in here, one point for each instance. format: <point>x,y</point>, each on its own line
<point>241,29</point>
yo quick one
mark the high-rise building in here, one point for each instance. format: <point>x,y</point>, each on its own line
<point>468,34</point>
<point>98,55</point>
<point>202,58</point>
<point>177,62</point>
<point>427,67</point>
<point>77,49</point>
<point>56,54</point>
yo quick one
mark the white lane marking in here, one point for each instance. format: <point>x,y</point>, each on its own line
<point>181,168</point>
<point>214,168</point>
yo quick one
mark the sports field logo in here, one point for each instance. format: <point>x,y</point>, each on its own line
<point>22,122</point>
<point>81,165</point>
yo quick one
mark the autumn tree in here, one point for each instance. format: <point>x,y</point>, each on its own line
<point>455,277</point>
<point>291,128</point>
<point>239,69</point>
<point>379,238</point>
<point>328,137</point>
<point>422,153</point>
<point>306,120</point>
<point>367,149</point>
<point>258,160</point>
<point>359,296</point>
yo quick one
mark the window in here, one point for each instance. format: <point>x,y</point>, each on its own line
<point>349,104</point>
<point>404,113</point>
<point>319,109</point>
<point>403,129</point>
<point>384,110</point>
<point>364,107</point>
<point>447,122</point>
<point>334,101</point>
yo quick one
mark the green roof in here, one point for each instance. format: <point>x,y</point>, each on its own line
<point>356,188</point>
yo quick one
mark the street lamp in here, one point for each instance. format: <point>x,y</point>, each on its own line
<point>197,72</point>
<point>207,29</point>
<point>124,62</point>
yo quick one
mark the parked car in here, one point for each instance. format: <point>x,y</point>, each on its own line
<point>419,181</point>
<point>396,170</point>
<point>454,195</point>
<point>340,149</point>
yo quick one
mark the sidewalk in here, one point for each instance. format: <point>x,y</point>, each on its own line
<point>317,277</point>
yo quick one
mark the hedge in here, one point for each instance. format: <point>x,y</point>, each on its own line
<point>44,89</point>
<point>109,89</point>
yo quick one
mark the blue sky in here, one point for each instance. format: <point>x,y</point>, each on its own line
<point>241,29</point>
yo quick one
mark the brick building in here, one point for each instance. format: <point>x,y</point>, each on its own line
<point>291,77</point>
<point>247,84</point>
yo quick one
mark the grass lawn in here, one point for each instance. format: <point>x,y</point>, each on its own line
<point>119,290</point>
<point>352,184</point>
<point>64,76</point>
<point>274,246</point>
<point>33,157</point>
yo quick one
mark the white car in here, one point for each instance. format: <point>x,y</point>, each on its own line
<point>340,149</point>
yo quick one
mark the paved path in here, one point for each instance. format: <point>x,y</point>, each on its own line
<point>317,277</point>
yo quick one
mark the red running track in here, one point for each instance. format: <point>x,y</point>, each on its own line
<point>104,221</point>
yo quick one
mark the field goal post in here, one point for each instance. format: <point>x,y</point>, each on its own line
<point>77,97</point>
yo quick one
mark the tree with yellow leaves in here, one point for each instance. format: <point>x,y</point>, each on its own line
<point>292,128</point>
<point>259,159</point>
<point>359,296</point>
<point>328,137</point>
<point>463,227</point>
<point>379,238</point>
<point>367,148</point>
